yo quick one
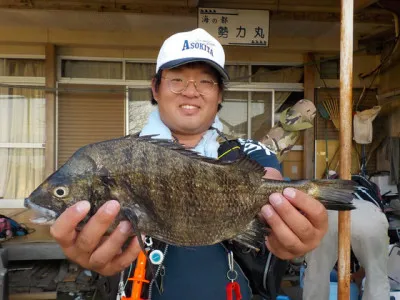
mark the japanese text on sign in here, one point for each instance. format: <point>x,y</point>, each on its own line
<point>236,26</point>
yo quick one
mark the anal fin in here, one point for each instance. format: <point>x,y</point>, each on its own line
<point>254,236</point>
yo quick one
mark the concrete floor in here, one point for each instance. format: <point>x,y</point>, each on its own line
<point>293,292</point>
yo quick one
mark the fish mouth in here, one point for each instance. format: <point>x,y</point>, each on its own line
<point>43,216</point>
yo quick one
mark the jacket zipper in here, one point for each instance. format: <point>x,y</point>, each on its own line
<point>156,274</point>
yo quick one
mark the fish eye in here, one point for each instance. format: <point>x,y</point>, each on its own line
<point>60,191</point>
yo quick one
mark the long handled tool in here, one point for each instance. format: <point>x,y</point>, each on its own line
<point>346,95</point>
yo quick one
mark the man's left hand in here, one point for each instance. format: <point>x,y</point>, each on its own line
<point>298,222</point>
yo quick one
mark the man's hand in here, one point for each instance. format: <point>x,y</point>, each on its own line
<point>298,221</point>
<point>88,248</point>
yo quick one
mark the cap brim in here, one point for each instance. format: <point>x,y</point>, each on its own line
<point>179,62</point>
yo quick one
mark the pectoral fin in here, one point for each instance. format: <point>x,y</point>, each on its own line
<point>254,236</point>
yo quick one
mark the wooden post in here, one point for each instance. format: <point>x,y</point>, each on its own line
<point>50,67</point>
<point>309,134</point>
<point>346,95</point>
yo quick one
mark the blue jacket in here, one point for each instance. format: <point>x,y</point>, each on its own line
<point>200,272</point>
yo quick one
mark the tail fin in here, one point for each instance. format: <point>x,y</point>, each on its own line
<point>335,194</point>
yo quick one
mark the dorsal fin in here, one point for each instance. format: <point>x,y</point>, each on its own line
<point>247,164</point>
<point>243,162</point>
<point>174,146</point>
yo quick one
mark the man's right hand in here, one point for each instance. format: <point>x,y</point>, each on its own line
<point>87,247</point>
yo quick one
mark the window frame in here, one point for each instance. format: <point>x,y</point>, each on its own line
<point>21,82</point>
<point>240,86</point>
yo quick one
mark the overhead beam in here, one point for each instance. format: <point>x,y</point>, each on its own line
<point>183,7</point>
<point>189,8</point>
<point>324,13</point>
<point>193,3</point>
<point>361,4</point>
<point>371,16</point>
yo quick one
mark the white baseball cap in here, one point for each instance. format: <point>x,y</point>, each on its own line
<point>191,46</point>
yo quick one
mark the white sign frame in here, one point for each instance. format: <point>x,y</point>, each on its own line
<point>236,27</point>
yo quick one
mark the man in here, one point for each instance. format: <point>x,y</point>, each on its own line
<point>188,90</point>
<point>369,242</point>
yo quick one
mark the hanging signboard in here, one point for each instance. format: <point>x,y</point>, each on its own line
<point>236,26</point>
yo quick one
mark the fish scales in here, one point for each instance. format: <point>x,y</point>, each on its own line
<point>197,193</point>
<point>172,193</point>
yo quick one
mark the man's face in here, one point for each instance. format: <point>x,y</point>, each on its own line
<point>188,112</point>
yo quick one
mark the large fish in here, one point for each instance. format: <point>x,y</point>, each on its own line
<point>174,194</point>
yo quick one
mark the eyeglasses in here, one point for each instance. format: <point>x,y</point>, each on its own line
<point>179,85</point>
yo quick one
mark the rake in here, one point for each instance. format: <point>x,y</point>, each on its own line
<point>331,106</point>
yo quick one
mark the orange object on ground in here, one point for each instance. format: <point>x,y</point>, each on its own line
<point>139,277</point>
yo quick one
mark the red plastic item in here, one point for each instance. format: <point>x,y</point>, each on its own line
<point>233,288</point>
<point>138,278</point>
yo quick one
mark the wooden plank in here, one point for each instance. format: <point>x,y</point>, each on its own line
<point>31,296</point>
<point>37,245</point>
<point>40,233</point>
<point>33,251</point>
<point>12,212</point>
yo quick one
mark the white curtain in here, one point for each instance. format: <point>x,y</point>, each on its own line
<point>22,120</point>
<point>24,67</point>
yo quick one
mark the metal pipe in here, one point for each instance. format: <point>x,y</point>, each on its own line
<point>346,96</point>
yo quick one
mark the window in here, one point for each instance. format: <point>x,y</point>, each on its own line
<point>139,95</point>
<point>329,69</point>
<point>238,73</point>
<point>22,123</point>
<point>22,67</point>
<point>262,104</point>
<point>22,138</point>
<point>233,114</point>
<point>247,114</point>
<point>91,69</point>
<point>249,105</point>
<point>276,73</point>
<point>139,71</point>
<point>139,107</point>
